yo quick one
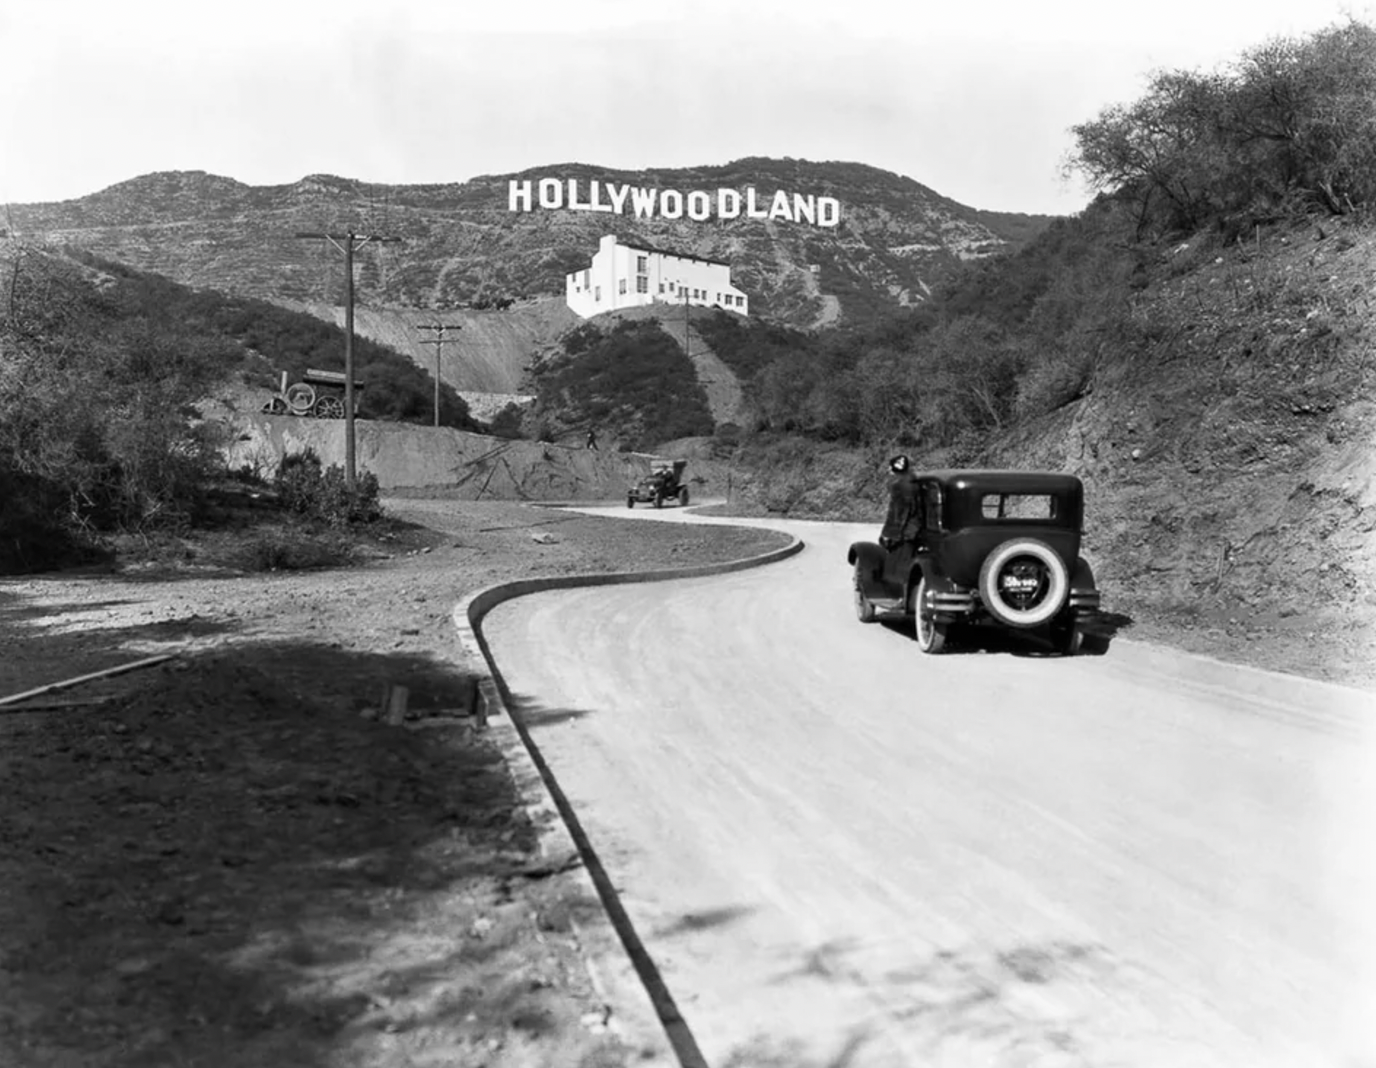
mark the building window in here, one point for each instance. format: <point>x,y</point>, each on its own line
<point>598,294</point>
<point>661,287</point>
<point>642,284</point>
<point>642,264</point>
<point>585,279</point>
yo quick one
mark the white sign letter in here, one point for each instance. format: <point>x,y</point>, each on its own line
<point>828,211</point>
<point>675,212</point>
<point>518,191</point>
<point>805,207</point>
<point>750,210</point>
<point>618,196</point>
<point>699,205</point>
<point>644,202</point>
<point>551,193</point>
<point>728,204</point>
<point>597,204</point>
<point>780,209</point>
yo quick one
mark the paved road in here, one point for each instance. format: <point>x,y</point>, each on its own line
<point>841,852</point>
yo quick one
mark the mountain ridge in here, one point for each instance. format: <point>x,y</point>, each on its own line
<point>895,238</point>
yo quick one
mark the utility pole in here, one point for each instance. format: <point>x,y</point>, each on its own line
<point>687,342</point>
<point>346,243</point>
<point>438,342</point>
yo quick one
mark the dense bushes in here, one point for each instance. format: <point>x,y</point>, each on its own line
<point>396,387</point>
<point>1289,127</point>
<point>747,346</point>
<point>308,488</point>
<point>633,383</point>
<point>97,428</point>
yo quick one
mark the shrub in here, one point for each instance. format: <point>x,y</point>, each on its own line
<point>507,423</point>
<point>308,488</point>
<point>98,432</point>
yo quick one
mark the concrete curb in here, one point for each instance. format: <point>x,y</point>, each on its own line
<point>645,1017</point>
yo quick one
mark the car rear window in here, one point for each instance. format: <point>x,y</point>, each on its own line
<point>1018,506</point>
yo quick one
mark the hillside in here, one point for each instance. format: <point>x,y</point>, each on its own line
<point>486,360</point>
<point>895,240</point>
<point>1222,415</point>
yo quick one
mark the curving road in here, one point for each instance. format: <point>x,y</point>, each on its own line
<point>840,852</point>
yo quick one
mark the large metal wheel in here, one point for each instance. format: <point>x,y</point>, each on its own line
<point>329,407</point>
<point>276,406</point>
<point>931,633</point>
<point>301,398</point>
<point>683,497</point>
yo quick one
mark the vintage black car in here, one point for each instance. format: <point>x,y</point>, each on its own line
<point>663,483</point>
<point>995,547</point>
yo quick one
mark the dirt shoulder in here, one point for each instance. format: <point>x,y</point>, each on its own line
<point>227,859</point>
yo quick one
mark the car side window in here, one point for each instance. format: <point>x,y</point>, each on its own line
<point>931,506</point>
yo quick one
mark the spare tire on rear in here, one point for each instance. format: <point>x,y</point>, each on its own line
<point>1023,583</point>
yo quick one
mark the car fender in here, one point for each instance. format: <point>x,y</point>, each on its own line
<point>868,559</point>
<point>1084,593</point>
<point>868,554</point>
<point>924,568</point>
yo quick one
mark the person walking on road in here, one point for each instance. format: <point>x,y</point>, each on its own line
<point>592,440</point>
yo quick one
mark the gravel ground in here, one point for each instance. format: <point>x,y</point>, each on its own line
<point>227,859</point>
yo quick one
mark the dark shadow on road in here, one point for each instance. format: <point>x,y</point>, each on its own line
<point>952,1006</point>
<point>703,920</point>
<point>966,639</point>
<point>535,715</point>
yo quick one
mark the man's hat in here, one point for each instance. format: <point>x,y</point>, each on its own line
<point>898,464</point>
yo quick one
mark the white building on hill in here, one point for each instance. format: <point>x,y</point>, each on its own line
<point>626,276</point>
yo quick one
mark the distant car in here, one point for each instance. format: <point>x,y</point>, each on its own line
<point>993,547</point>
<point>663,483</point>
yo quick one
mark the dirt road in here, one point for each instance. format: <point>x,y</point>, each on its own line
<point>839,851</point>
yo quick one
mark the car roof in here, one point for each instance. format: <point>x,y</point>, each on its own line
<point>1003,479</point>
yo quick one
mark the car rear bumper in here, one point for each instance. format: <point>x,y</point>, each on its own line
<point>956,604</point>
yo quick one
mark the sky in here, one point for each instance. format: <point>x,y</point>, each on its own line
<point>974,99</point>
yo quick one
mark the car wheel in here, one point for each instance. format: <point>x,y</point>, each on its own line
<point>659,501</point>
<point>683,497</point>
<point>1023,583</point>
<point>864,611</point>
<point>931,633</point>
<point>630,502</point>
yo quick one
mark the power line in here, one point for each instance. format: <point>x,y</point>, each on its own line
<point>347,243</point>
<point>438,342</point>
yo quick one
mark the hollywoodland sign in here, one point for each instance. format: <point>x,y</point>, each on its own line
<point>574,195</point>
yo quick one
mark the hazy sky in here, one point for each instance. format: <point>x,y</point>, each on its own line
<point>974,99</point>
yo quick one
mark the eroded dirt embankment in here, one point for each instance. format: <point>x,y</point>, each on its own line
<point>460,465</point>
<point>489,351</point>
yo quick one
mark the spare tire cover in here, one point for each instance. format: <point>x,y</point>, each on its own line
<point>1023,583</point>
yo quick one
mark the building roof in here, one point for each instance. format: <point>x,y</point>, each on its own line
<point>643,246</point>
